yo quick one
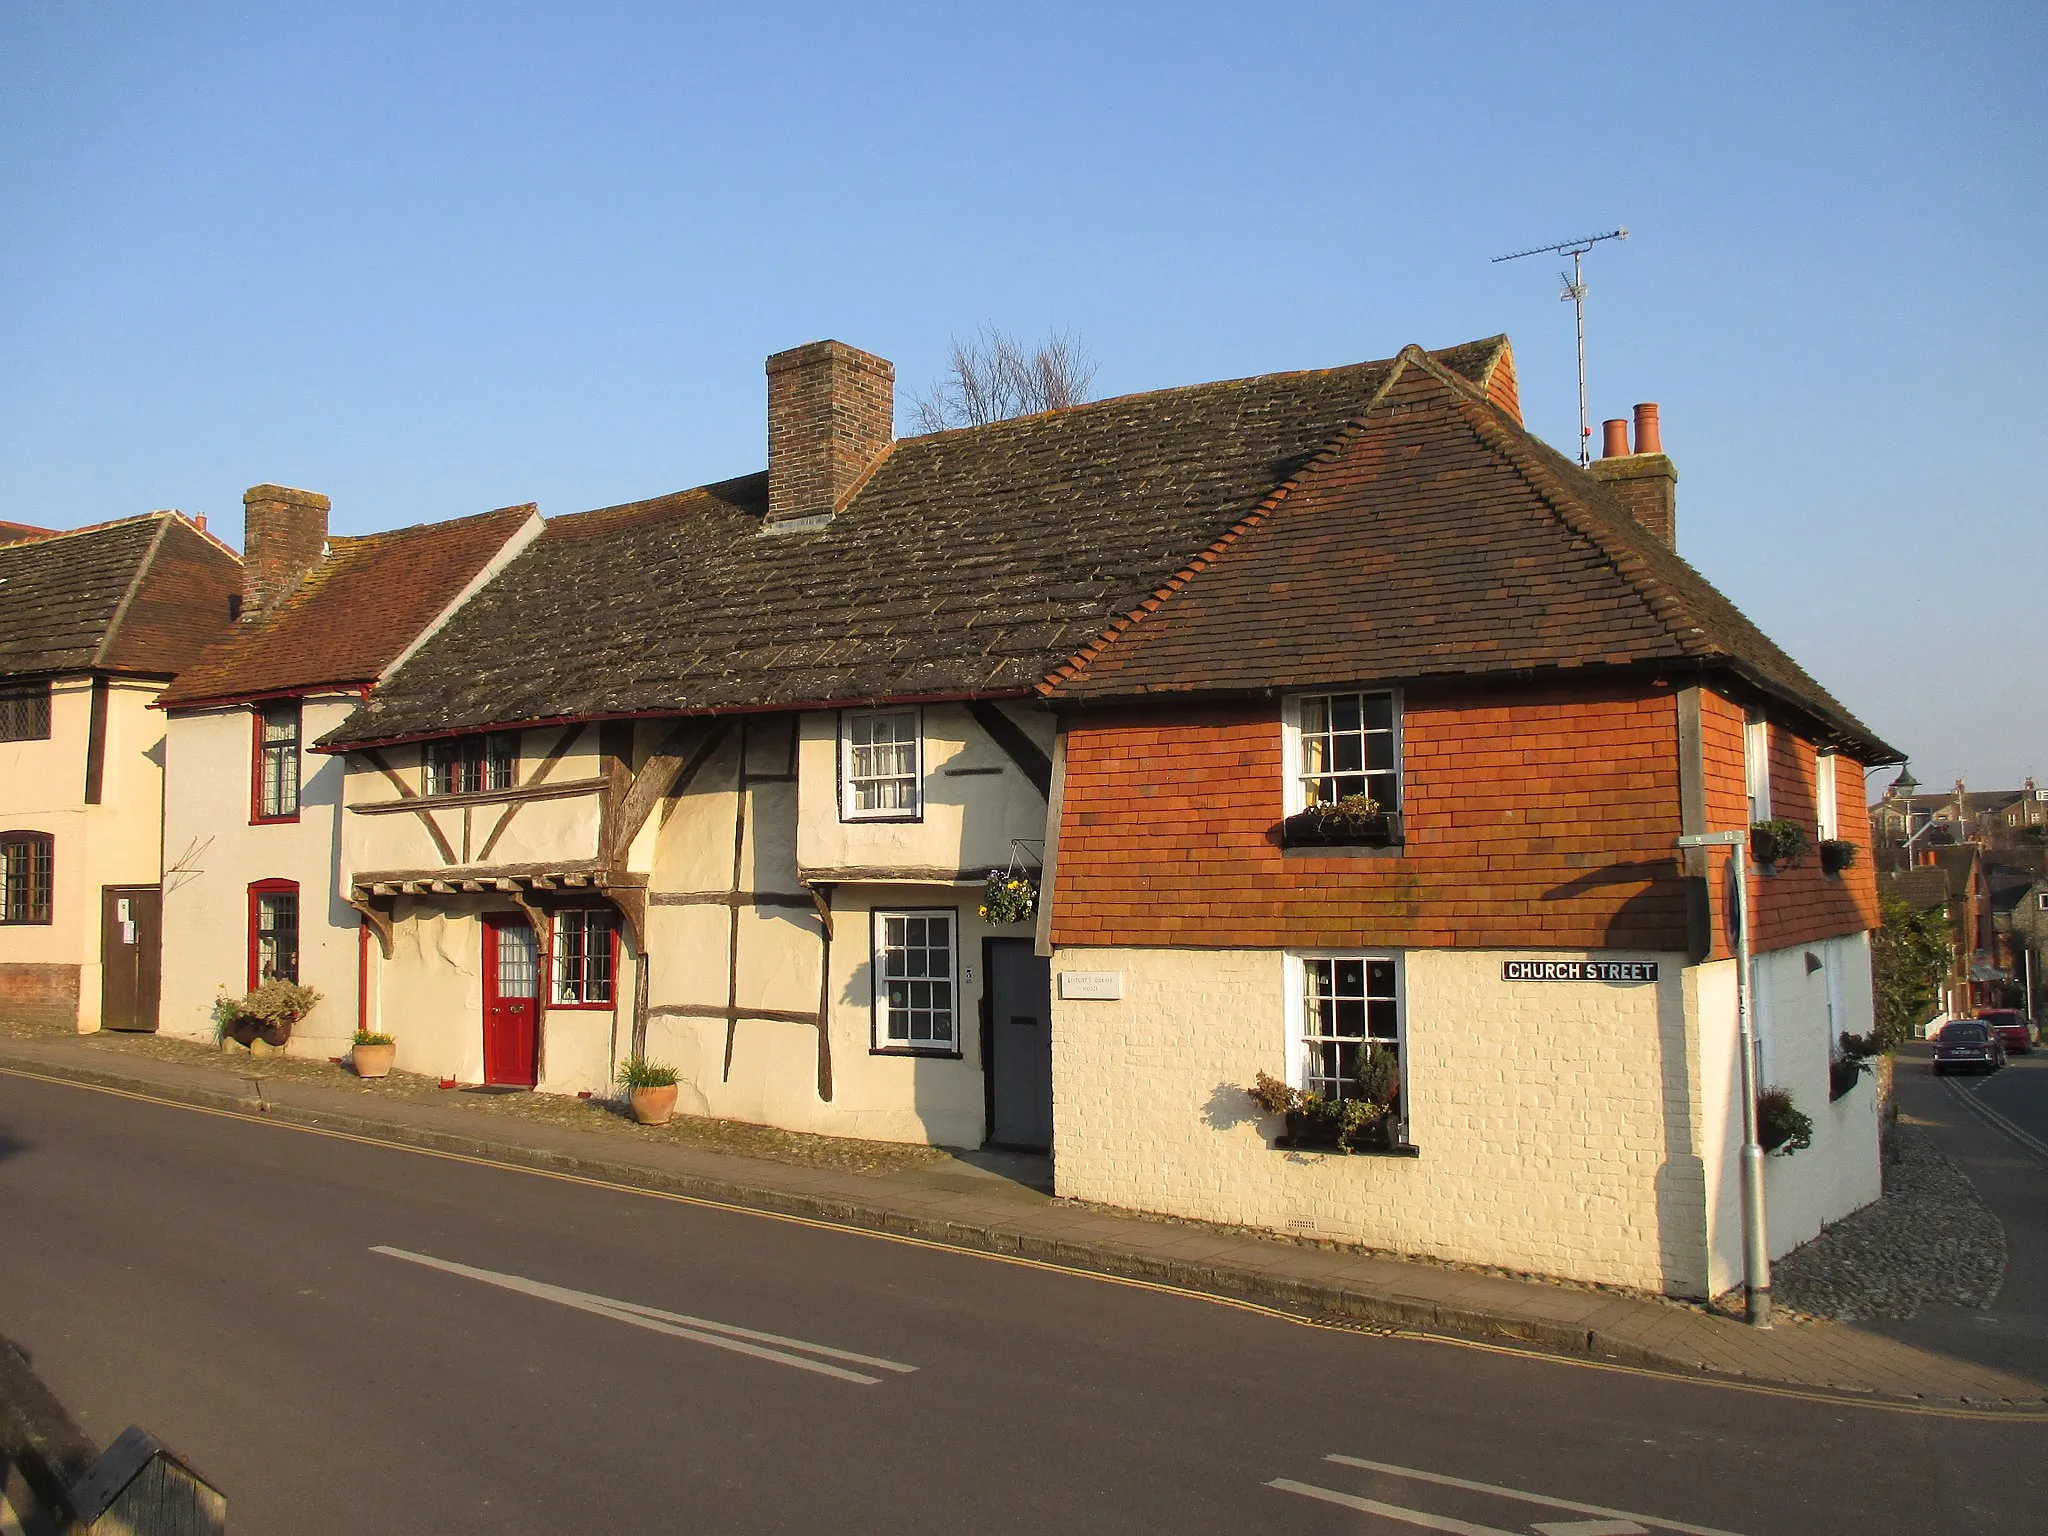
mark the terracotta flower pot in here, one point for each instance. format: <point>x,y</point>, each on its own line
<point>653,1106</point>
<point>372,1060</point>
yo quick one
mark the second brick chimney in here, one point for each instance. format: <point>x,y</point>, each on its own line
<point>283,534</point>
<point>831,415</point>
<point>1645,480</point>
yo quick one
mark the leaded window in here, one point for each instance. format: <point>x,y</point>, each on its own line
<point>273,935</point>
<point>26,870</point>
<point>277,760</point>
<point>471,764</point>
<point>25,712</point>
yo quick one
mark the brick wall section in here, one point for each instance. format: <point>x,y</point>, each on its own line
<point>1799,905</point>
<point>1542,816</point>
<point>831,413</point>
<point>45,995</point>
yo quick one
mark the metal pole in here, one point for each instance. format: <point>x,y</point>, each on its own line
<point>1579,309</point>
<point>1756,1250</point>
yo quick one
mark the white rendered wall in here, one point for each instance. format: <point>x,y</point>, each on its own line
<point>215,854</point>
<point>1555,1120</point>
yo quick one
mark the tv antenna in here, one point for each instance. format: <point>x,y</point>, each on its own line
<point>1575,291</point>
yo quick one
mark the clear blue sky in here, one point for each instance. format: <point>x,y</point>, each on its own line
<point>435,258</point>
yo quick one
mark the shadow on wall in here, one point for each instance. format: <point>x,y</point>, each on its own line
<point>1229,1105</point>
<point>1643,921</point>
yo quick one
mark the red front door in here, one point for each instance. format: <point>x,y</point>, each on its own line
<point>511,1001</point>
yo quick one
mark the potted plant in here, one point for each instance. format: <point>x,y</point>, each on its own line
<point>1363,1121</point>
<point>371,1053</point>
<point>1777,842</point>
<point>1010,897</point>
<point>1836,855</point>
<point>1354,821</point>
<point>263,1019</point>
<point>650,1088</point>
<point>1851,1061</point>
<point>1780,1124</point>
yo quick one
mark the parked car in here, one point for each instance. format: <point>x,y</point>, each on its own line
<point>1968,1044</point>
<point>2019,1032</point>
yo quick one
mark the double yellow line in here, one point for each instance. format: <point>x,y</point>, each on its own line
<point>1279,1314</point>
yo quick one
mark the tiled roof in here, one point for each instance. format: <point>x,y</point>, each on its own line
<point>1439,538</point>
<point>1922,887</point>
<point>353,614</point>
<point>141,595</point>
<point>970,562</point>
<point>14,533</point>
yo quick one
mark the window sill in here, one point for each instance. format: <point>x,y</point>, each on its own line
<point>274,821</point>
<point>850,818</point>
<point>577,1007</point>
<point>1327,1149</point>
<point>933,1053</point>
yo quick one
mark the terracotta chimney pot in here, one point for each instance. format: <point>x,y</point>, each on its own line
<point>1648,439</point>
<point>1614,438</point>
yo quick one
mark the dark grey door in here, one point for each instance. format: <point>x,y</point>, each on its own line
<point>1019,1062</point>
<point>130,951</point>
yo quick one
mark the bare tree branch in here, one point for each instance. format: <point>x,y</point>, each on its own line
<point>991,377</point>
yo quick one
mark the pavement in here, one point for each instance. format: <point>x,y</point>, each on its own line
<point>996,1204</point>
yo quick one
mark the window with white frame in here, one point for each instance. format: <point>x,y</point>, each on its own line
<point>1342,744</point>
<point>1756,764</point>
<point>916,991</point>
<point>583,954</point>
<point>1828,814</point>
<point>879,769</point>
<point>1345,1009</point>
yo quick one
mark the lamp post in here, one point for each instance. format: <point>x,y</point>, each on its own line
<point>1756,1249</point>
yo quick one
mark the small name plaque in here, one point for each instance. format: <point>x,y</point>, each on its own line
<point>1579,970</point>
<point>1097,986</point>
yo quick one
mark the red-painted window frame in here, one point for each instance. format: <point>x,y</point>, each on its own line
<point>550,948</point>
<point>256,816</point>
<point>261,888</point>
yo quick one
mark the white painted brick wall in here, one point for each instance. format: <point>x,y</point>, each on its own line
<point>1556,1121</point>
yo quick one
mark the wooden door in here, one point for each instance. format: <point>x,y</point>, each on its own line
<point>1018,1045</point>
<point>511,1001</point>
<point>131,951</point>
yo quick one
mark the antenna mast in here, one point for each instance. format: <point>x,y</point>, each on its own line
<point>1575,291</point>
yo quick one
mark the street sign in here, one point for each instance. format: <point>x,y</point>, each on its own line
<point>1626,971</point>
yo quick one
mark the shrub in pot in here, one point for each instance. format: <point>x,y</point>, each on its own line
<point>1780,1124</point>
<point>1352,820</point>
<point>1009,897</point>
<point>266,1014</point>
<point>371,1054</point>
<point>1850,1063</point>
<point>650,1089</point>
<point>1777,842</point>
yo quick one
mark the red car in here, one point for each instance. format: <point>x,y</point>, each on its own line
<point>2015,1029</point>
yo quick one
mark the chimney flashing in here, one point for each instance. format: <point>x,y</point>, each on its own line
<point>831,418</point>
<point>284,535</point>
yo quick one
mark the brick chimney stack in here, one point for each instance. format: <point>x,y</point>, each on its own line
<point>283,534</point>
<point>831,416</point>
<point>1645,480</point>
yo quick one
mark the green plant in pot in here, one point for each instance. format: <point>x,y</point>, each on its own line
<point>1851,1061</point>
<point>1351,819</point>
<point>1836,855</point>
<point>1777,842</point>
<point>1781,1126</point>
<point>650,1089</point>
<point>1009,897</point>
<point>371,1053</point>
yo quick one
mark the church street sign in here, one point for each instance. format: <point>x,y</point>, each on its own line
<point>1578,970</point>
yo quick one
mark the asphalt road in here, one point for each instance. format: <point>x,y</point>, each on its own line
<point>224,1283</point>
<point>1995,1128</point>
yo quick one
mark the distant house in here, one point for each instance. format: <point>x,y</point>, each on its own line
<point>93,623</point>
<point>1993,817</point>
<point>1952,878</point>
<point>252,822</point>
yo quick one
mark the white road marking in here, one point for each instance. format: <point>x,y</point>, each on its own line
<point>699,1330</point>
<point>1526,1497</point>
<point>1997,1122</point>
<point>1589,1528</point>
<point>1419,1517</point>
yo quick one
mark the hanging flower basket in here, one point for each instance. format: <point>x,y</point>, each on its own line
<point>1777,842</point>
<point>1010,897</point>
<point>1837,855</point>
